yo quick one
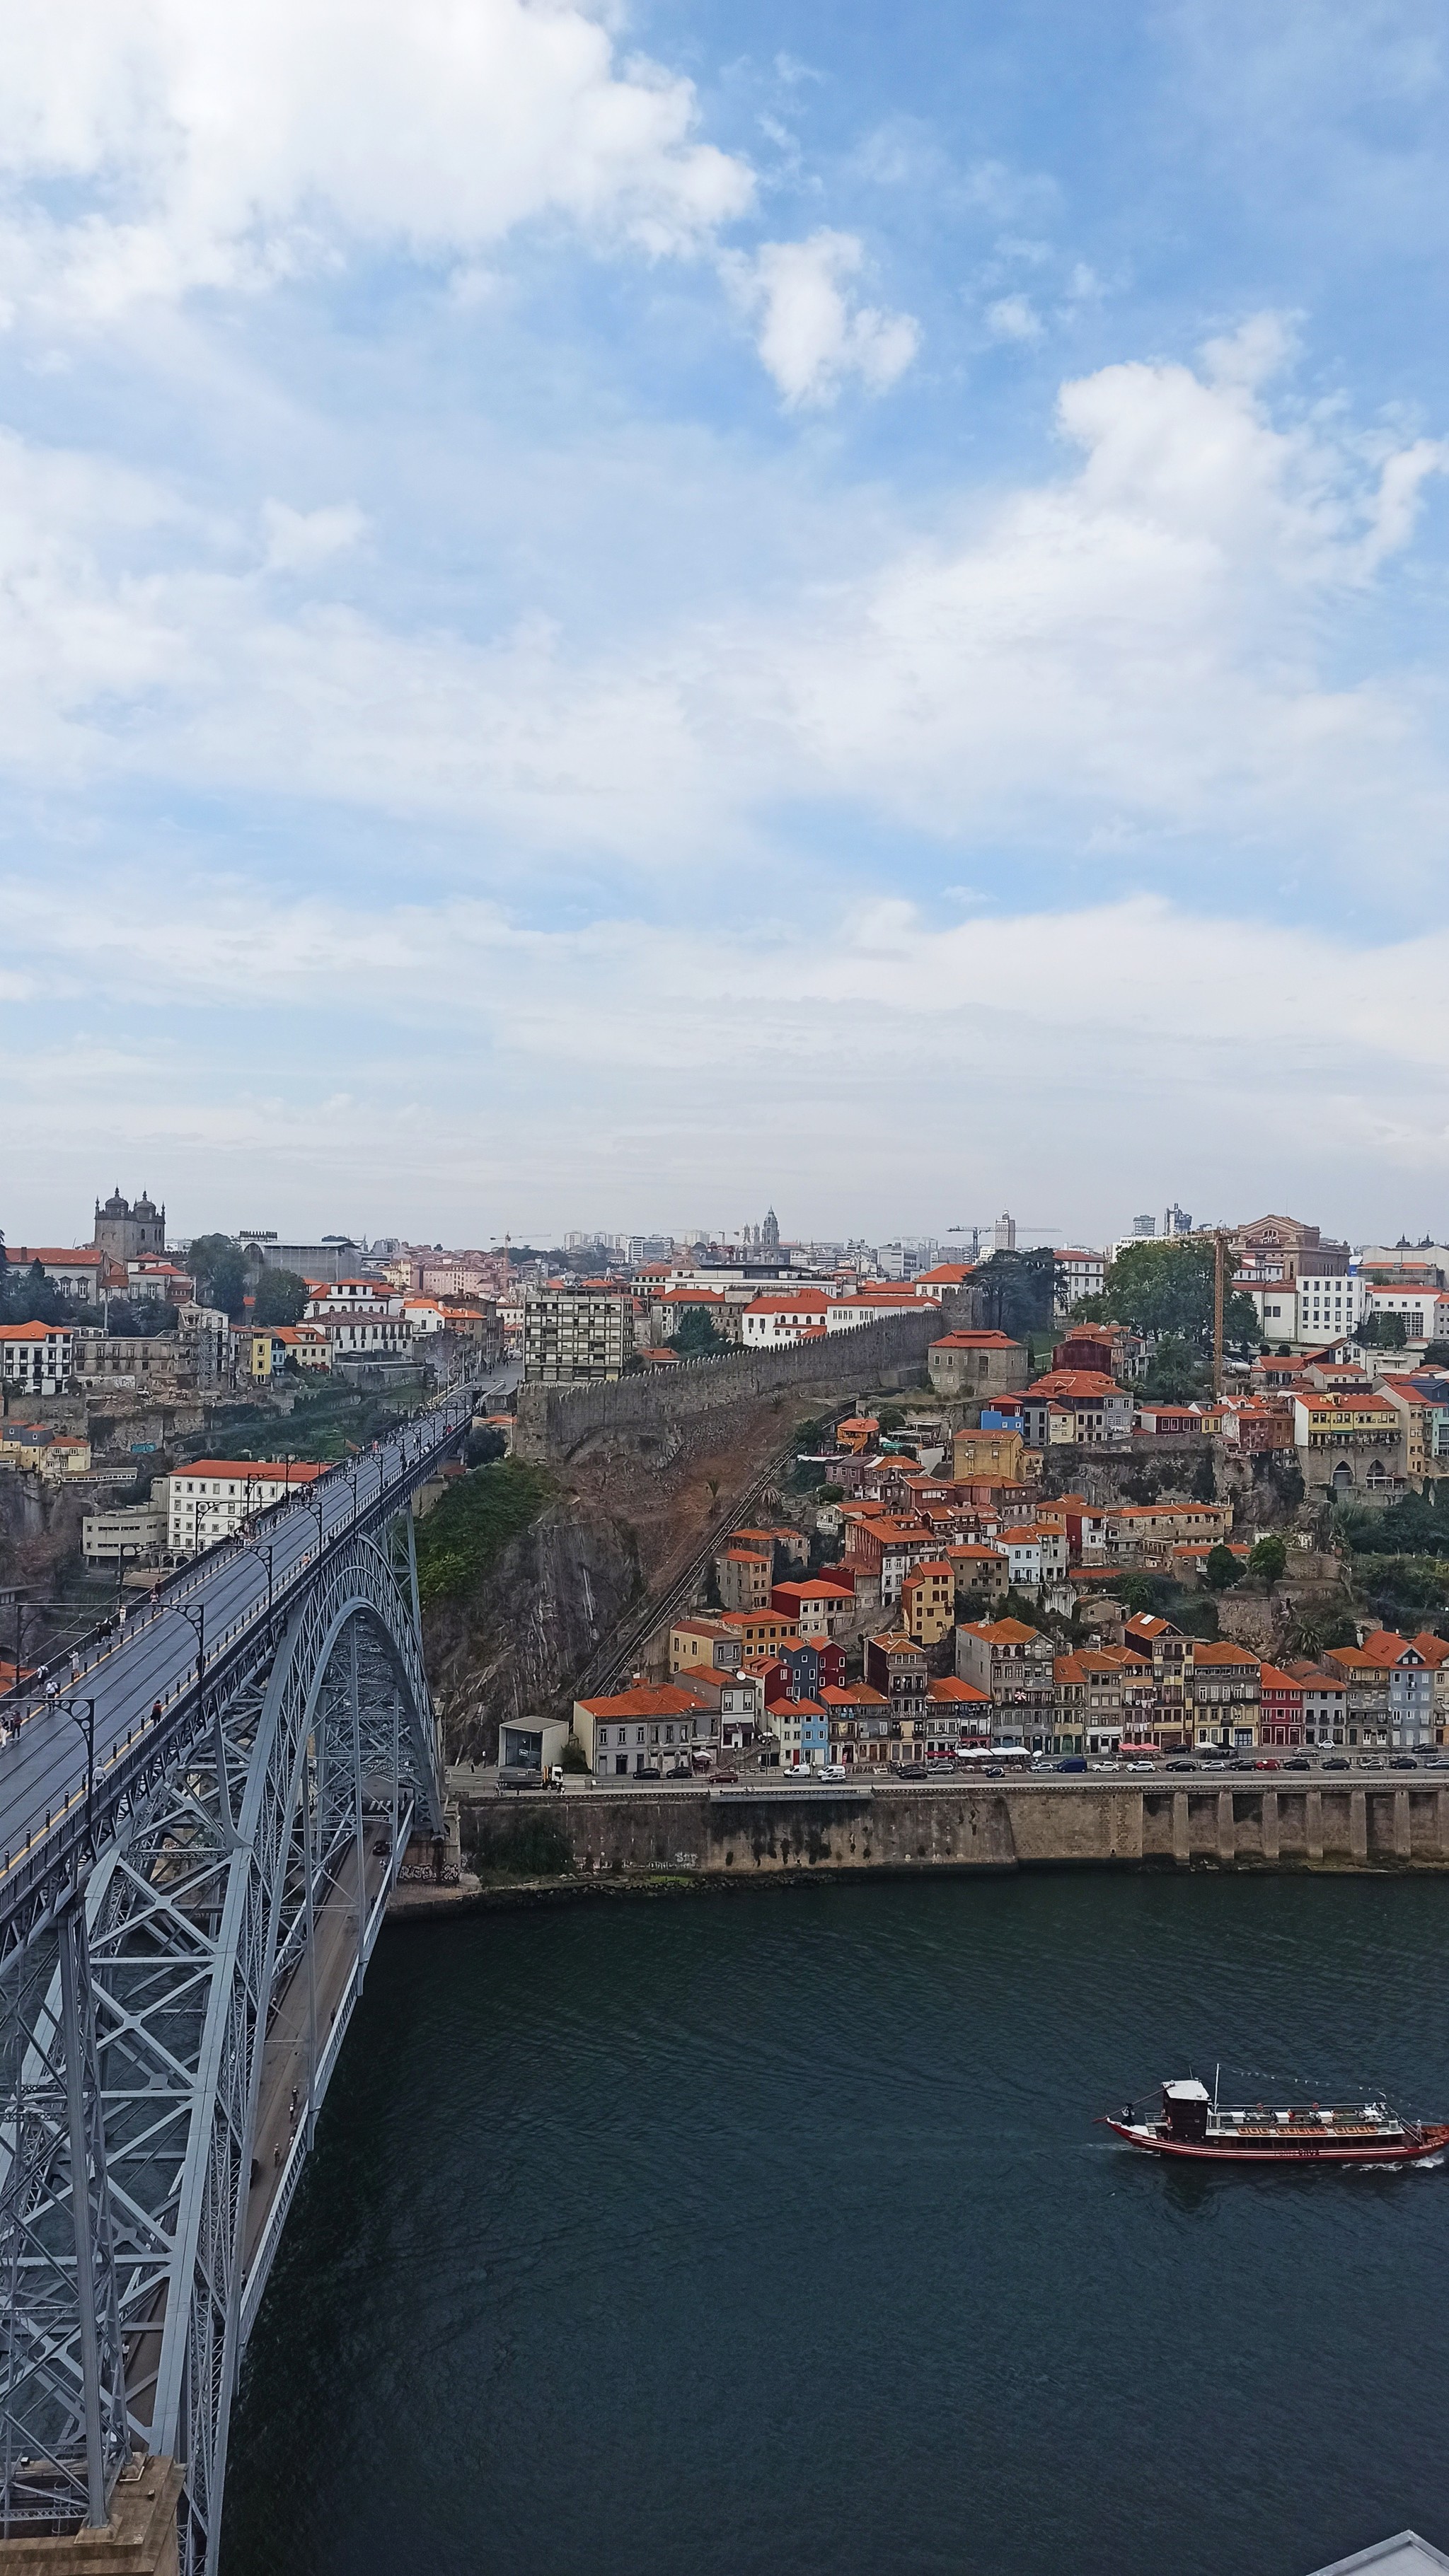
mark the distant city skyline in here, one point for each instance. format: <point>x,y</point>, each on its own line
<point>21,1224</point>
<point>767,595</point>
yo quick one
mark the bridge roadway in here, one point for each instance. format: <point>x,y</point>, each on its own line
<point>167,1647</point>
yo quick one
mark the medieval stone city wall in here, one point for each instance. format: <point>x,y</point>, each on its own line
<point>553,1420</point>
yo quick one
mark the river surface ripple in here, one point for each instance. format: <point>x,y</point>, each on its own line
<point>771,2232</point>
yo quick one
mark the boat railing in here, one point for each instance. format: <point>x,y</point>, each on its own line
<point>1322,2115</point>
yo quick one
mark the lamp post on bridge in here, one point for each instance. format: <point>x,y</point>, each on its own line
<point>256,1547</point>
<point>87,1727</point>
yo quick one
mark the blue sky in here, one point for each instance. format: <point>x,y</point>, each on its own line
<point>618,617</point>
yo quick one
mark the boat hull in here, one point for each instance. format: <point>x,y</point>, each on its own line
<point>1409,2149</point>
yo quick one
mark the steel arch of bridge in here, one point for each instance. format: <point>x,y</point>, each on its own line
<point>218,1946</point>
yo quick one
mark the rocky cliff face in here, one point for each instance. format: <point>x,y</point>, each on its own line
<point>515,1645</point>
<point>636,1509</point>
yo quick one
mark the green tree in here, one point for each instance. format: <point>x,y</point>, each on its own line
<point>219,1271</point>
<point>34,1299</point>
<point>1341,1630</point>
<point>1014,1605</point>
<point>1381,1332</point>
<point>1418,1526</point>
<point>128,1321</point>
<point>281,1298</point>
<point>1176,1373</point>
<point>484,1446</point>
<point>1166,1289</point>
<point>1222,1568</point>
<point>698,1337</point>
<point>1019,1291</point>
<point>1267,1562</point>
<point>1150,1592</point>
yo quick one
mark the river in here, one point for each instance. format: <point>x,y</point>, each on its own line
<point>769,2233</point>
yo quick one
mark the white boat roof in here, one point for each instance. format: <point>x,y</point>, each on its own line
<point>1405,2555</point>
<point>1187,2089</point>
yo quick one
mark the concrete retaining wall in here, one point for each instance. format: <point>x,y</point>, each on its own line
<point>1382,1824</point>
<point>552,1420</point>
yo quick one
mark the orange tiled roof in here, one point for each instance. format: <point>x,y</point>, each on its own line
<point>647,1699</point>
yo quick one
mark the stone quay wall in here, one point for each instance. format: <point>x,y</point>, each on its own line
<point>553,1420</point>
<point>1314,1824</point>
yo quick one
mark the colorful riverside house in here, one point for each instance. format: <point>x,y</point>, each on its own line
<point>860,1723</point>
<point>1226,1686</point>
<point>928,1602</point>
<point>1280,1718</point>
<point>803,1729</point>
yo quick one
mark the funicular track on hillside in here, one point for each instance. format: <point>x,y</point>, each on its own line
<point>610,1662</point>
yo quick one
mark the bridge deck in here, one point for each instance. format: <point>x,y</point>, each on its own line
<point>154,1659</point>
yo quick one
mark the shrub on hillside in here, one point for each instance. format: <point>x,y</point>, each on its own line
<point>471,1526</point>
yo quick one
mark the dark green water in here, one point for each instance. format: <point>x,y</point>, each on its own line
<point>771,2233</point>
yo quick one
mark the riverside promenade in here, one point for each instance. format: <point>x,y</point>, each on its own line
<point>1380,1821</point>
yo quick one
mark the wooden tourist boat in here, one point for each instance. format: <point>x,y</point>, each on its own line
<point>1193,2123</point>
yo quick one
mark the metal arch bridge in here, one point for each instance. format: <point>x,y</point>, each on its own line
<point>197,1844</point>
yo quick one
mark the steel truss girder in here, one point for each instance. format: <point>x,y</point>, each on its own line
<point>194,1940</point>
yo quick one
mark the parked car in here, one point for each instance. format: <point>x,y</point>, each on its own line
<point>1073,1762</point>
<point>650,1771</point>
<point>1182,1766</point>
<point>725,1779</point>
<point>1297,1762</point>
<point>1267,1762</point>
<point>993,1771</point>
<point>1336,1762</point>
<point>1403,1762</point>
<point>910,1770</point>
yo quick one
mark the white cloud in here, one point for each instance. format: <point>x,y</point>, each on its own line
<point>213,146</point>
<point>1227,1068</point>
<point>299,540</point>
<point>812,333</point>
<point>1014,317</point>
<point>1125,655</point>
<point>1258,350</point>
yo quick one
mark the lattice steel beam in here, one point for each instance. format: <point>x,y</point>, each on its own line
<point>142,2038</point>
